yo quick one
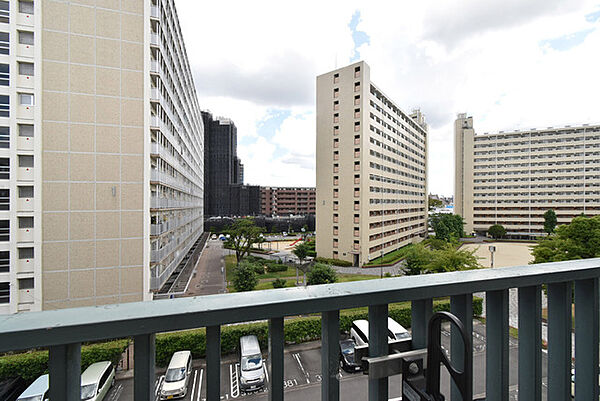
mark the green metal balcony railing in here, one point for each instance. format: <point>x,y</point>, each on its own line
<point>63,331</point>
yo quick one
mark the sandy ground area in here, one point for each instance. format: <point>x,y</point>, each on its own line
<point>279,245</point>
<point>507,253</point>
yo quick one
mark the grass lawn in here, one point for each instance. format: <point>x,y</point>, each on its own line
<point>392,257</point>
<point>230,265</point>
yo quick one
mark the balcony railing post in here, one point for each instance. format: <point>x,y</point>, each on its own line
<point>330,337</point>
<point>378,346</point>
<point>64,366</point>
<point>276,342</point>
<point>586,339</point>
<point>496,329</point>
<point>213,363</point>
<point>421,312</point>
<point>530,343</point>
<point>462,307</point>
<point>143,367</point>
<point>559,341</point>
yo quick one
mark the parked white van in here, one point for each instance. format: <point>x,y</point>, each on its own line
<point>359,331</point>
<point>37,391</point>
<point>96,380</point>
<point>176,379</point>
<point>252,373</point>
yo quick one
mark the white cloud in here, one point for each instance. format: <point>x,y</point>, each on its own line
<point>483,58</point>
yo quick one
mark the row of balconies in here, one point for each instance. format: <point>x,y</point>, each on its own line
<point>157,202</point>
<point>158,149</point>
<point>156,255</point>
<point>171,224</point>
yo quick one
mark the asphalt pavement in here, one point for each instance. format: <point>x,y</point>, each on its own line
<point>302,375</point>
<point>209,275</point>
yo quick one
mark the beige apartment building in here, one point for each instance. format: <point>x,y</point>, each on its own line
<point>101,152</point>
<point>513,178</point>
<point>371,169</point>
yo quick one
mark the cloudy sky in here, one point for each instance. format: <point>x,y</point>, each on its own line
<point>511,64</point>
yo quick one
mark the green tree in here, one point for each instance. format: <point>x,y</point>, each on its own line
<point>416,259</point>
<point>301,251</point>
<point>550,221</point>
<point>433,203</point>
<point>321,274</point>
<point>578,240</point>
<point>279,283</point>
<point>497,231</point>
<point>244,277</point>
<point>447,226</point>
<point>451,259</point>
<point>243,235</point>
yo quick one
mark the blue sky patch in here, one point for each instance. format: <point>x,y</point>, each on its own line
<point>567,42</point>
<point>593,17</point>
<point>359,37</point>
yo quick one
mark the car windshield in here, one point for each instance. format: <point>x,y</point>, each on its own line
<point>88,391</point>
<point>251,362</point>
<point>400,336</point>
<point>174,375</point>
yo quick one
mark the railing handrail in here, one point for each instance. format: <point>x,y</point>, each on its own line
<point>47,328</point>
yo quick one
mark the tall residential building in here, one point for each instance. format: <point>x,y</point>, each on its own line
<point>513,178</point>
<point>100,152</point>
<point>371,169</point>
<point>284,201</point>
<point>226,194</point>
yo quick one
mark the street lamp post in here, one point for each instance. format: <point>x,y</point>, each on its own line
<point>492,249</point>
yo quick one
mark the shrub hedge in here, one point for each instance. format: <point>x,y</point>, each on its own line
<point>335,262</point>
<point>31,365</point>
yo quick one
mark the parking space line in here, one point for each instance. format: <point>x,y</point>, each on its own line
<point>234,383</point>
<point>194,385</point>
<point>157,384</point>
<point>266,373</point>
<point>297,358</point>
<point>199,385</point>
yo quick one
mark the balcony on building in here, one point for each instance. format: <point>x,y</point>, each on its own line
<point>566,283</point>
<point>25,16</point>
<point>25,138</point>
<point>25,233</point>
<point>25,106</point>
<point>25,47</point>
<point>25,171</point>
<point>26,260</point>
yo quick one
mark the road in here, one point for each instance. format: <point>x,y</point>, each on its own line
<point>209,278</point>
<point>302,373</point>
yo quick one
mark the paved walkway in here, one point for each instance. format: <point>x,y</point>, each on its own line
<point>209,275</point>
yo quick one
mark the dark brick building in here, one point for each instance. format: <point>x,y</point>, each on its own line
<point>283,201</point>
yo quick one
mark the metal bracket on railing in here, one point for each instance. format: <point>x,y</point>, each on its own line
<point>361,352</point>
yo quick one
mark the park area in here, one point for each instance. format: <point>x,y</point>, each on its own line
<point>506,254</point>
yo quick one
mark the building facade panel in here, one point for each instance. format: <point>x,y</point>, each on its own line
<point>513,178</point>
<point>371,169</point>
<point>284,201</point>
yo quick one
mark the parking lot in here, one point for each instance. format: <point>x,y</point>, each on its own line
<point>302,375</point>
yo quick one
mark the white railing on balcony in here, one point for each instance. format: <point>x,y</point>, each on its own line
<point>63,331</point>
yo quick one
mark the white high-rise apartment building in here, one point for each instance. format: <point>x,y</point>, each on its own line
<point>101,152</point>
<point>371,169</point>
<point>513,178</point>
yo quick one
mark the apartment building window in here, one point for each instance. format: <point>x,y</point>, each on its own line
<point>356,100</point>
<point>4,199</point>
<point>335,230</point>
<point>4,12</point>
<point>357,126</point>
<point>4,106</point>
<point>4,168</point>
<point>26,283</point>
<point>356,179</point>
<point>4,43</point>
<point>26,130</point>
<point>336,105</point>
<point>26,222</point>
<point>26,38</point>
<point>4,137</point>
<point>336,117</point>
<point>356,192</point>
<point>356,232</point>
<point>336,143</point>
<point>25,191</point>
<point>4,230</point>
<point>356,219</point>
<point>356,86</point>
<point>357,139</point>
<point>336,155</point>
<point>26,68</point>
<point>335,255</point>
<point>336,218</point>
<point>4,261</point>
<point>336,78</point>
<point>4,74</point>
<point>4,293</point>
<point>336,167</point>
<point>336,130</point>
<point>336,205</point>
<point>336,194</point>
<point>25,161</point>
<point>356,205</point>
<point>356,152</point>
<point>336,92</point>
<point>356,72</point>
<point>336,180</point>
<point>356,113</point>
<point>335,243</point>
<point>26,99</point>
<point>356,166</point>
<point>26,7</point>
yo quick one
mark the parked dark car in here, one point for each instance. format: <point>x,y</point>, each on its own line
<point>10,389</point>
<point>347,356</point>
